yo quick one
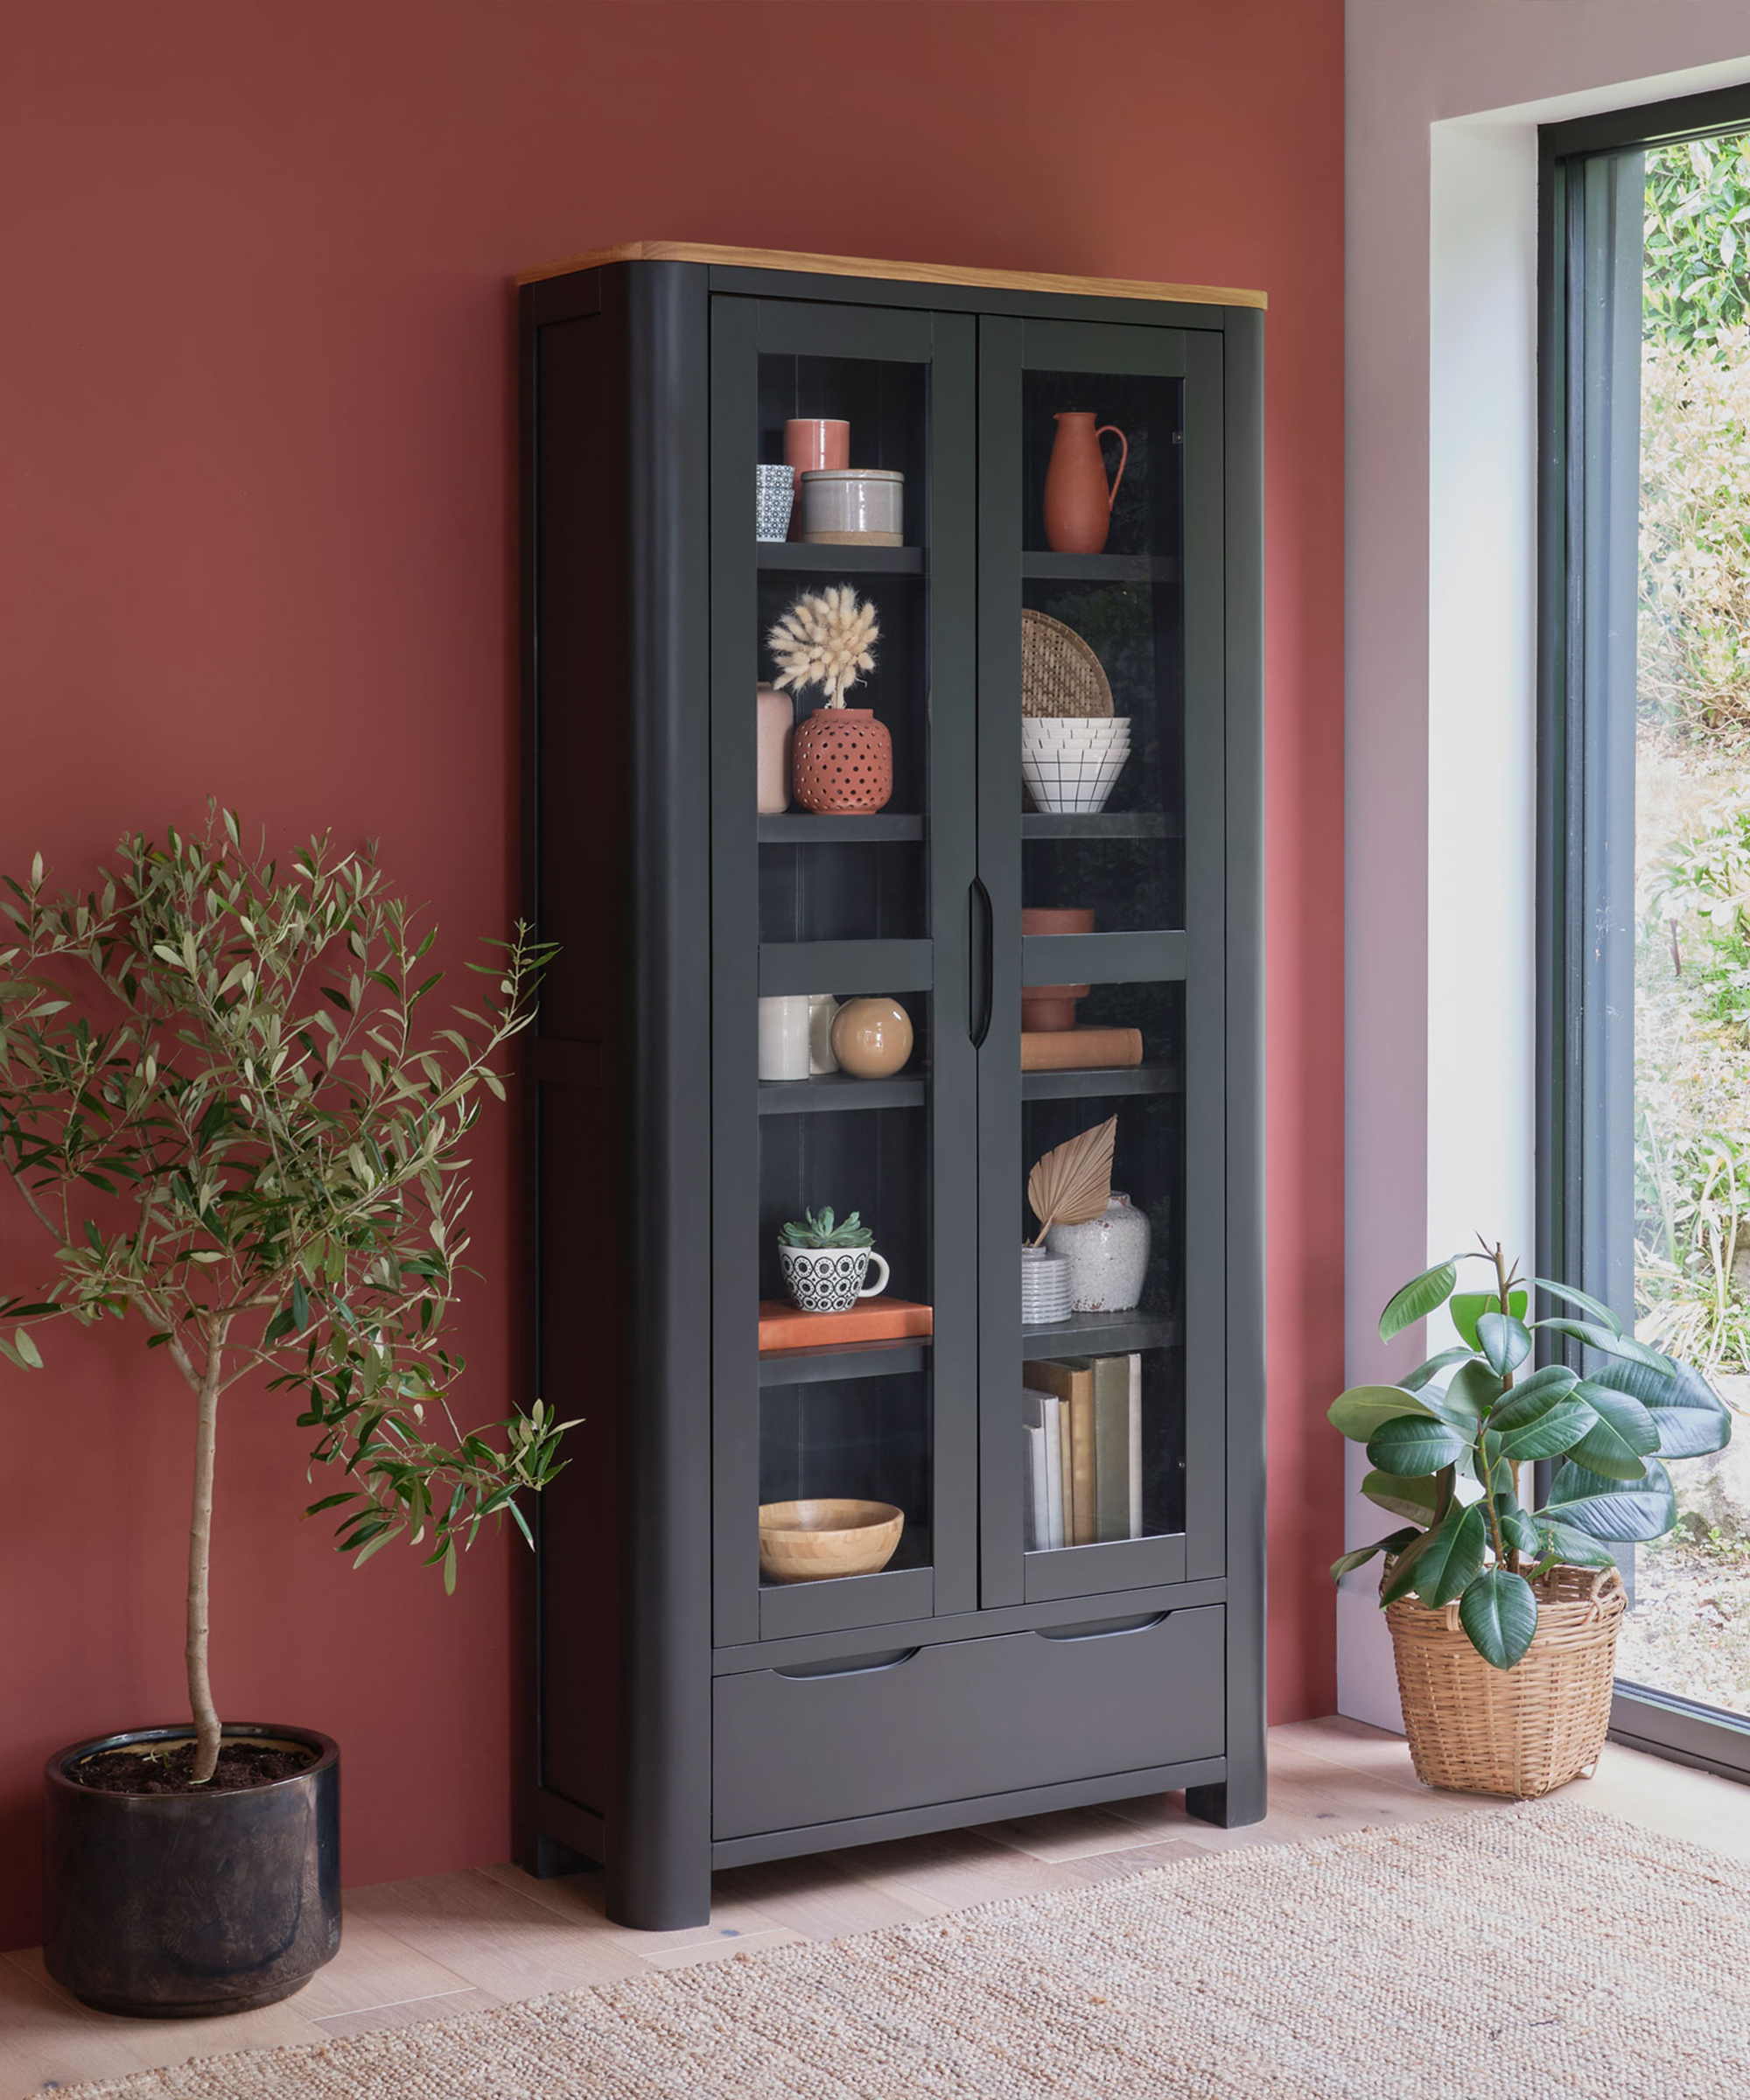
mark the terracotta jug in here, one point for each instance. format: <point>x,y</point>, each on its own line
<point>1078,504</point>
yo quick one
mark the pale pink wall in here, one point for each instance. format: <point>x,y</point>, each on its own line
<point>1409,1168</point>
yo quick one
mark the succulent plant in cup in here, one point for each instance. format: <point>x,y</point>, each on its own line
<point>812,1231</point>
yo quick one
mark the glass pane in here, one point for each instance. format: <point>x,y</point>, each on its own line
<point>845,1116</point>
<point>1103,652</point>
<point>1102,1300</point>
<point>1688,1633</point>
<point>859,1441</point>
<point>864,1439</point>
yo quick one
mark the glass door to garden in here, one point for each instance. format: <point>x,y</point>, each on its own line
<point>843,743</point>
<point>1098,958</point>
<point>1647,581</point>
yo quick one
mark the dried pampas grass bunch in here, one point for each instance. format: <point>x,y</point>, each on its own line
<point>825,641</point>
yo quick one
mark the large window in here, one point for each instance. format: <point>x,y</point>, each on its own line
<point>1644,924</point>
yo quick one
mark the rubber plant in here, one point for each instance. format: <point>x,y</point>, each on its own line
<point>220,1098</point>
<point>1446,1445</point>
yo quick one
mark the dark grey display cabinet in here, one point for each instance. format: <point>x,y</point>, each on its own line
<point>1073,1610</point>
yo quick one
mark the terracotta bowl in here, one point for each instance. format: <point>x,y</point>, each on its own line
<point>808,1542</point>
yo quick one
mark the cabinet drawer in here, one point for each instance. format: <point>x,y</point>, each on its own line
<point>961,1718</point>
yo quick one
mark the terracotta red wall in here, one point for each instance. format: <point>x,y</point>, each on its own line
<point>256,512</point>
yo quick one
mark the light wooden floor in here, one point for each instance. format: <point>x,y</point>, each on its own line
<point>452,1943</point>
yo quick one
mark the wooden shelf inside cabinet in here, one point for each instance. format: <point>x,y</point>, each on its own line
<point>1100,568</point>
<point>1098,1335</point>
<point>1116,824</point>
<point>1102,1081</point>
<point>798,557</point>
<point>867,1360</point>
<point>805,831</point>
<point>829,1091</point>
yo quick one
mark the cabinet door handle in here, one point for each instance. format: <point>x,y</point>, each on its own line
<point>1102,1629</point>
<point>856,1666</point>
<point>981,958</point>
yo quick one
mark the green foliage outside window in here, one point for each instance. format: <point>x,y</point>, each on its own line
<point>1698,278</point>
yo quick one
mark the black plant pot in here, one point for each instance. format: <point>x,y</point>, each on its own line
<point>173,1905</point>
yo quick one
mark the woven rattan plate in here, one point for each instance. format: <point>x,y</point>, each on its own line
<point>1060,674</point>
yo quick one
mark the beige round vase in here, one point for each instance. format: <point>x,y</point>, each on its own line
<point>1515,1733</point>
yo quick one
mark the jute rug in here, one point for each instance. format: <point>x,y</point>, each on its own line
<point>1545,1953</point>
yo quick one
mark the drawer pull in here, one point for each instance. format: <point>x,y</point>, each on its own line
<point>1102,1629</point>
<point>856,1667</point>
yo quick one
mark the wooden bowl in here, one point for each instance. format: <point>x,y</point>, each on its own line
<point>809,1541</point>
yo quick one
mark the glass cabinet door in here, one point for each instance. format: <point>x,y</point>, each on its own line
<point>1100,791</point>
<point>843,1073</point>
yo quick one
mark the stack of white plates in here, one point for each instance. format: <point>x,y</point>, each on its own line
<point>1070,762</point>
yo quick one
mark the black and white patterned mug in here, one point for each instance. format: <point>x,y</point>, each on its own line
<point>830,1279</point>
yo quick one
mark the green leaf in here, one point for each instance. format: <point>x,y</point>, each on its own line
<point>1413,1499</point>
<point>1423,1373</point>
<point>1418,1298</point>
<point>1347,1563</point>
<point>1690,1417</point>
<point>1600,1313</point>
<point>1557,1429</point>
<point>1577,1548</point>
<point>1469,1306</point>
<point>1454,1554</point>
<point>1411,1446</point>
<point>1515,1524</point>
<point>1612,1509</point>
<point>300,1304</point>
<point>1402,1578</point>
<point>1533,1396</point>
<point>1624,1434</point>
<point>450,1569</point>
<point>1612,1344</point>
<point>23,1342</point>
<point>1504,1342</point>
<point>1498,1612</point>
<point>1360,1411</point>
<point>1473,1391</point>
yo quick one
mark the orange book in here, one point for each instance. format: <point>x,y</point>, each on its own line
<point>781,1326</point>
<point>1079,1049</point>
<point>1071,1379</point>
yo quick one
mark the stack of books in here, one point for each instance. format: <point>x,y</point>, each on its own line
<point>1081,1418</point>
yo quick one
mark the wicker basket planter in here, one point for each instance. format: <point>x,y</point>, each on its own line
<point>1515,1733</point>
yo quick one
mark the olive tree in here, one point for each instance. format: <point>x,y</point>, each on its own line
<point>222,1099</point>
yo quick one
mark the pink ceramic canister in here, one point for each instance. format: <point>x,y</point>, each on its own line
<point>812,442</point>
<point>777,723</point>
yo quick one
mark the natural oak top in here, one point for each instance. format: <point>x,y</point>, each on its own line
<point>909,273</point>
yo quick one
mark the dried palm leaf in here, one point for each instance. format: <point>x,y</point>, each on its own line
<point>1073,1182</point>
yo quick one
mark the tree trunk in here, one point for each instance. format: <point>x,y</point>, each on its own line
<point>199,1543</point>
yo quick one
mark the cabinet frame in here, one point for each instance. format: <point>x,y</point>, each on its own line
<point>630,1632</point>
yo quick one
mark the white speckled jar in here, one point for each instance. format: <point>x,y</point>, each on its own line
<point>1107,1257</point>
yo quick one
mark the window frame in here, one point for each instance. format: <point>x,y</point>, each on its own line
<point>1587,539</point>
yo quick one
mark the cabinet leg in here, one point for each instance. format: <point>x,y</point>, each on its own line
<point>1229,1803</point>
<point>663,1899</point>
<point>548,1856</point>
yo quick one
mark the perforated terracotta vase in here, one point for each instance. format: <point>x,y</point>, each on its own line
<point>844,762</point>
